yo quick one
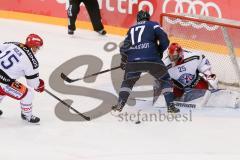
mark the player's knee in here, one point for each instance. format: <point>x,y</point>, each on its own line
<point>27,99</point>
<point>167,90</point>
<point>129,82</point>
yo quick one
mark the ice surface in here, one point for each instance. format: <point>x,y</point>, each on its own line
<point>213,133</point>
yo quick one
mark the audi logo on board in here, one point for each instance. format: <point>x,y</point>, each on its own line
<point>192,7</point>
<point>195,7</point>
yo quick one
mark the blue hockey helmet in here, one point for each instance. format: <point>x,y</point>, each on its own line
<point>143,16</point>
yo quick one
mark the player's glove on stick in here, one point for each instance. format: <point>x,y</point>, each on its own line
<point>40,87</point>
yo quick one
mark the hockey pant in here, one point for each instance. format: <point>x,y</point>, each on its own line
<point>92,7</point>
<point>19,92</point>
<point>133,72</point>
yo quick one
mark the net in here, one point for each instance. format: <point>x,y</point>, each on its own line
<point>218,39</point>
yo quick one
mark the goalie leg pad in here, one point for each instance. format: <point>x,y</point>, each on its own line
<point>224,99</point>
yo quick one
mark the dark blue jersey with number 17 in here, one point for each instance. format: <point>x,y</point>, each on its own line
<point>145,41</point>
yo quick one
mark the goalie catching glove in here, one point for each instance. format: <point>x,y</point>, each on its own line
<point>40,87</point>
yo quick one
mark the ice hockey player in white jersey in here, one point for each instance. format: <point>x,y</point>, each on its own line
<point>18,60</point>
<point>188,70</point>
<point>194,81</point>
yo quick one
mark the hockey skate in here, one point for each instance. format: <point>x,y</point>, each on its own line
<point>70,32</point>
<point>118,107</point>
<point>172,109</point>
<point>32,119</point>
<point>102,32</point>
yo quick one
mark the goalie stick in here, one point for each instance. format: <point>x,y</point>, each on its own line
<point>203,102</point>
<point>69,80</point>
<point>177,103</point>
<point>69,106</point>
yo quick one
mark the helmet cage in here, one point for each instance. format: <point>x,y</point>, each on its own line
<point>175,52</point>
<point>143,15</point>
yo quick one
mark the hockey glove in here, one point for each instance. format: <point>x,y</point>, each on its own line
<point>40,87</point>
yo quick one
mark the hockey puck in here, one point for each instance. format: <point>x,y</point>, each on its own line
<point>138,122</point>
<point>1,112</point>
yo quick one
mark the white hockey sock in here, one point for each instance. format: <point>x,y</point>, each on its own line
<point>26,104</point>
<point>26,109</point>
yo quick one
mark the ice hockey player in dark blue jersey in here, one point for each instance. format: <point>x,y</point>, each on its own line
<point>142,51</point>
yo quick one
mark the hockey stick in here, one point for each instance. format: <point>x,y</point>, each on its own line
<point>69,80</point>
<point>177,103</point>
<point>70,107</point>
<point>202,103</point>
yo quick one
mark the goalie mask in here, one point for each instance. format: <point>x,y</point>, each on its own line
<point>34,42</point>
<point>175,52</point>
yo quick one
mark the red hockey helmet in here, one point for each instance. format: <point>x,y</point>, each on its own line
<point>34,40</point>
<point>175,52</point>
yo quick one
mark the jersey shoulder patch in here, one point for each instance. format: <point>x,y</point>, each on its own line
<point>29,54</point>
<point>189,56</point>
